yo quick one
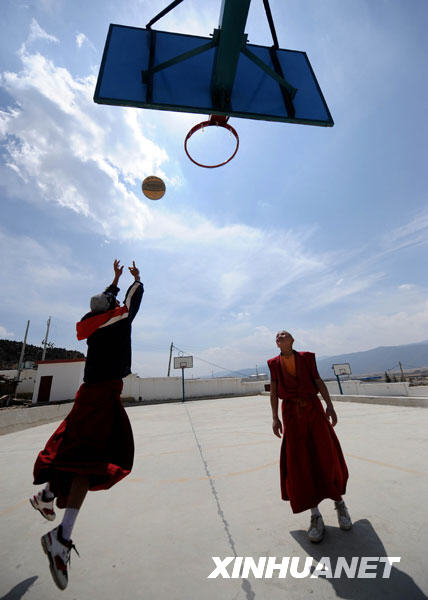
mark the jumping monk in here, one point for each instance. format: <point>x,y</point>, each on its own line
<point>93,448</point>
<point>312,466</point>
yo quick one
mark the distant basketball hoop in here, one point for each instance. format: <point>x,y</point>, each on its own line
<point>342,369</point>
<point>183,362</point>
<point>218,121</point>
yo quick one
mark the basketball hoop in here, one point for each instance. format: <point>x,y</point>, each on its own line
<point>219,121</point>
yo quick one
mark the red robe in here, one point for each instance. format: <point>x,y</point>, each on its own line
<point>312,466</point>
<point>95,439</point>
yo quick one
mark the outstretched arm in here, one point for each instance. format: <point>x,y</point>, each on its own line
<point>134,293</point>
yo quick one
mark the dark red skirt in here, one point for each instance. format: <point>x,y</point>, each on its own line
<point>95,440</point>
<point>312,465</point>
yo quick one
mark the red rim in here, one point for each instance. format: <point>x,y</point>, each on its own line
<point>219,121</point>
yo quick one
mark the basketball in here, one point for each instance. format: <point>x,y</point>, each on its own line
<point>153,187</point>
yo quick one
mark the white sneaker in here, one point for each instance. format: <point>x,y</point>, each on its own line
<point>58,551</point>
<point>316,528</point>
<point>343,517</point>
<point>44,508</point>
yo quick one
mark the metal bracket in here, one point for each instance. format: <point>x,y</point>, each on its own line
<point>258,61</point>
<point>286,96</point>
<point>147,75</point>
<point>230,41</point>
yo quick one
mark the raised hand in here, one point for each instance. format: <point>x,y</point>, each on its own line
<point>134,271</point>
<point>117,268</point>
<point>117,271</point>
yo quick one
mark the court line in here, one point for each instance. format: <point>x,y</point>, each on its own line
<point>205,478</point>
<point>270,464</point>
<point>6,511</point>
<point>212,447</point>
<point>383,464</point>
<point>235,474</point>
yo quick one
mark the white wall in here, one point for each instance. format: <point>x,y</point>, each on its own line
<point>67,377</point>
<point>170,388</point>
<point>17,418</point>
<point>27,379</point>
<point>361,388</point>
<point>420,391</point>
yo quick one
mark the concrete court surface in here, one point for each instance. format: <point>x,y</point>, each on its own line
<point>205,483</point>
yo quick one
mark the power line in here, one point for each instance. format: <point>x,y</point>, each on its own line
<point>397,366</point>
<point>211,363</point>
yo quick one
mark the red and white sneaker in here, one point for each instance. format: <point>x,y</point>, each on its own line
<point>44,508</point>
<point>58,551</point>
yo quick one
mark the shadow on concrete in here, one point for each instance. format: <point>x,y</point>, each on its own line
<point>361,540</point>
<point>20,589</point>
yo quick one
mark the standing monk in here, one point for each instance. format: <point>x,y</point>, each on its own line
<point>312,466</point>
<point>93,448</point>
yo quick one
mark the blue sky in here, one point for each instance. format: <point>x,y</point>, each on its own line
<point>322,231</point>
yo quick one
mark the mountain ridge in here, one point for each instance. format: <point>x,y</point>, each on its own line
<point>363,362</point>
<point>10,351</point>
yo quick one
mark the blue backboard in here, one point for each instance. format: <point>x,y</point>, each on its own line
<point>131,52</point>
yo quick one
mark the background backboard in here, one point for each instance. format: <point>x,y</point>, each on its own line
<point>183,362</point>
<point>342,369</point>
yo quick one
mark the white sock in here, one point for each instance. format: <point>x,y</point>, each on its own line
<point>315,511</point>
<point>68,521</point>
<point>47,493</point>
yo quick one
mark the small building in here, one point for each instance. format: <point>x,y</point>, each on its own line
<point>58,380</point>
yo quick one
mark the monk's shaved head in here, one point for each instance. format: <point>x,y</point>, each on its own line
<point>284,341</point>
<point>283,334</point>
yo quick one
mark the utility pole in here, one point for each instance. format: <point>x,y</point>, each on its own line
<point>170,354</point>
<point>45,341</point>
<point>257,373</point>
<point>21,358</point>
<point>402,373</point>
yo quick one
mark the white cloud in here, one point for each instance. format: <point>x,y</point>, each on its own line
<point>67,148</point>
<point>5,334</point>
<point>412,233</point>
<point>80,39</point>
<point>40,279</point>
<point>365,330</point>
<point>37,33</point>
<point>325,291</point>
